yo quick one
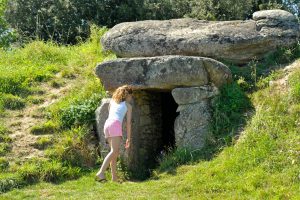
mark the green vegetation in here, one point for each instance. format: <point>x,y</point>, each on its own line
<point>43,142</point>
<point>4,164</point>
<point>72,148</point>
<point>45,128</point>
<point>9,101</point>
<point>69,119</point>
<point>262,164</point>
<point>69,22</point>
<point>5,141</point>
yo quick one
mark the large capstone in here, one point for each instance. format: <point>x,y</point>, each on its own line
<point>162,72</point>
<point>235,41</point>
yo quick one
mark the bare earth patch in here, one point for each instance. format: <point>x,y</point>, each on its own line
<point>20,122</point>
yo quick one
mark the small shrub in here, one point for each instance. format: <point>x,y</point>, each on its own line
<point>80,113</point>
<point>9,182</point>
<point>245,86</point>
<point>37,91</point>
<point>12,102</point>
<point>265,81</point>
<point>285,55</point>
<point>46,128</point>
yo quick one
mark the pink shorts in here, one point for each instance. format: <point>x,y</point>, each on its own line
<point>112,128</point>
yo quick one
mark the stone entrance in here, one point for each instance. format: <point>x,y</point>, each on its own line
<point>171,106</point>
<point>153,118</point>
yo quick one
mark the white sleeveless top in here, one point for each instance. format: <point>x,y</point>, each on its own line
<point>117,111</point>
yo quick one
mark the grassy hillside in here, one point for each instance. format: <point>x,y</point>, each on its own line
<point>262,164</point>
<point>48,94</point>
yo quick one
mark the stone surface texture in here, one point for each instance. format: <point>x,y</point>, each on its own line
<point>162,72</point>
<point>192,125</point>
<point>193,94</point>
<point>235,41</point>
<point>146,137</point>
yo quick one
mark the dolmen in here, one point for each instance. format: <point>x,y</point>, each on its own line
<point>175,68</point>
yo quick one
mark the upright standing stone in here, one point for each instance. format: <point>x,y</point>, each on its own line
<point>193,123</point>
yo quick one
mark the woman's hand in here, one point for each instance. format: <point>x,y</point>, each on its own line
<point>127,143</point>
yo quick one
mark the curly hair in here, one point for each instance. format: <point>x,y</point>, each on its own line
<point>121,93</point>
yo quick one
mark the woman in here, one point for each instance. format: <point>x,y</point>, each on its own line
<point>118,107</point>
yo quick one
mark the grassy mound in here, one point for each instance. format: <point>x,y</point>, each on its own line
<point>262,164</point>
<point>67,131</point>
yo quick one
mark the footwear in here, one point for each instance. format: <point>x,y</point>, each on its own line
<point>100,179</point>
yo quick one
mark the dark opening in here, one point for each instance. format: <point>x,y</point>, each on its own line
<point>169,114</point>
<point>153,130</point>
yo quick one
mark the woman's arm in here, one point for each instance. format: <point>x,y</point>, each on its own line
<point>128,123</point>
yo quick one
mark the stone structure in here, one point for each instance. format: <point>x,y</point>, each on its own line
<point>162,72</point>
<point>235,41</point>
<point>172,93</point>
<point>192,125</point>
<point>161,84</point>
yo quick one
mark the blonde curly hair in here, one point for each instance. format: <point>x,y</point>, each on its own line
<point>121,93</point>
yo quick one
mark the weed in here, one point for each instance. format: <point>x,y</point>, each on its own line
<point>43,143</point>
<point>48,127</point>
<point>72,148</point>
<point>35,100</point>
<point>9,101</point>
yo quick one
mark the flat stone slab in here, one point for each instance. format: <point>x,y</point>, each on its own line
<point>162,72</point>
<point>191,95</point>
<point>235,41</point>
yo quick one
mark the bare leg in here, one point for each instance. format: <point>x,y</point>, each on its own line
<point>114,152</point>
<point>113,167</point>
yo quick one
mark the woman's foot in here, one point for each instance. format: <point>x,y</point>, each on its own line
<point>115,179</point>
<point>100,177</point>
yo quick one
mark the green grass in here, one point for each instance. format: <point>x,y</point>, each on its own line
<point>23,72</point>
<point>23,69</point>
<point>43,142</point>
<point>11,102</point>
<point>5,140</point>
<point>48,127</point>
<point>262,164</point>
